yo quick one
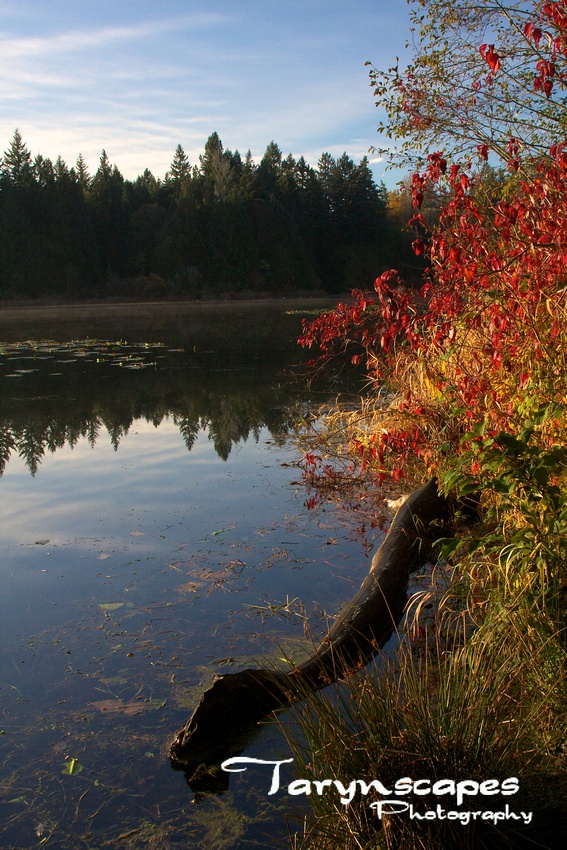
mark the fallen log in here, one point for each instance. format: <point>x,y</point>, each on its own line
<point>229,711</point>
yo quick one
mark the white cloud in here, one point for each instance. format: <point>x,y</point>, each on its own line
<point>252,71</point>
<point>77,40</point>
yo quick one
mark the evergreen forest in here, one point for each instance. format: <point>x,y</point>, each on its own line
<point>223,227</point>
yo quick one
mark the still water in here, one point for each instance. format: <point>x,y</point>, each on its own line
<point>155,532</point>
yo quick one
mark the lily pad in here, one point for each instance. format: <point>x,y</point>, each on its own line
<point>128,707</point>
<point>72,767</point>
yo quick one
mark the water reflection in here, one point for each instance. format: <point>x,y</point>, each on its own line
<point>53,395</point>
<point>133,572</point>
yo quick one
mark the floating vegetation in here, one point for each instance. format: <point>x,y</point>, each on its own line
<point>118,352</point>
<point>129,707</point>
<point>61,392</point>
<point>83,775</point>
<point>126,588</point>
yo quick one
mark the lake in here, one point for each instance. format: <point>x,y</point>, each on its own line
<point>156,530</point>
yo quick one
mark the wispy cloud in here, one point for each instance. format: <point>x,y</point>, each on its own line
<point>74,41</point>
<point>253,71</point>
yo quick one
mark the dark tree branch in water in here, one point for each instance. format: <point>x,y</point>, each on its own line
<point>229,711</point>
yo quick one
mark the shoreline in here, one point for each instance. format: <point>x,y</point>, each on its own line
<point>20,309</point>
<point>9,304</point>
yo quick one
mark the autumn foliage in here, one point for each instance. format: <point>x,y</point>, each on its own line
<point>485,340</point>
<point>471,385</point>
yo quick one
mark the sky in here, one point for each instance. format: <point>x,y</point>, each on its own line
<point>138,77</point>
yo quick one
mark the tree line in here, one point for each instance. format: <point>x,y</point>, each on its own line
<point>224,225</point>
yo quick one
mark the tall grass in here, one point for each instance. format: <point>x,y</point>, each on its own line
<point>476,395</point>
<point>463,697</point>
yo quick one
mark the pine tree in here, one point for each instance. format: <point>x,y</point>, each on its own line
<point>179,174</point>
<point>246,182</point>
<point>106,197</point>
<point>325,170</point>
<point>101,180</point>
<point>62,172</point>
<point>148,182</point>
<point>17,162</point>
<point>82,171</point>
<point>269,172</point>
<point>213,150</point>
<point>43,170</point>
<point>304,174</point>
<point>287,178</point>
<point>217,172</point>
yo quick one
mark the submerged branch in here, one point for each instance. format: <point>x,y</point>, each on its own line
<point>229,711</point>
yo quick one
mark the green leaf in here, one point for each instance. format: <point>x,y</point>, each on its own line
<point>72,767</point>
<point>469,487</point>
<point>477,431</point>
<point>541,476</point>
<point>510,443</point>
<point>501,485</point>
<point>447,546</point>
<point>451,479</point>
<point>474,545</point>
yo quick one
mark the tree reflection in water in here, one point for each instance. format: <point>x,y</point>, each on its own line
<point>54,395</point>
<point>129,579</point>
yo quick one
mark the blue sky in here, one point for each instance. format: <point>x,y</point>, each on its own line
<point>137,77</point>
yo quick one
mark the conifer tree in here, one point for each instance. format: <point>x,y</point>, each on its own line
<point>43,170</point>
<point>101,179</point>
<point>82,171</point>
<point>179,174</point>
<point>17,162</point>
<point>217,172</point>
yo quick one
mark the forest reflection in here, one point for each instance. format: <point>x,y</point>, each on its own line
<point>56,395</point>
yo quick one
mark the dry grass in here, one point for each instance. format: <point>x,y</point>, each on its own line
<point>477,688</point>
<point>457,700</point>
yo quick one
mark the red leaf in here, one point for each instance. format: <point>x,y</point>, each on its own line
<point>490,56</point>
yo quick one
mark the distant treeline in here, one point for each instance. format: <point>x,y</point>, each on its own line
<point>223,226</point>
